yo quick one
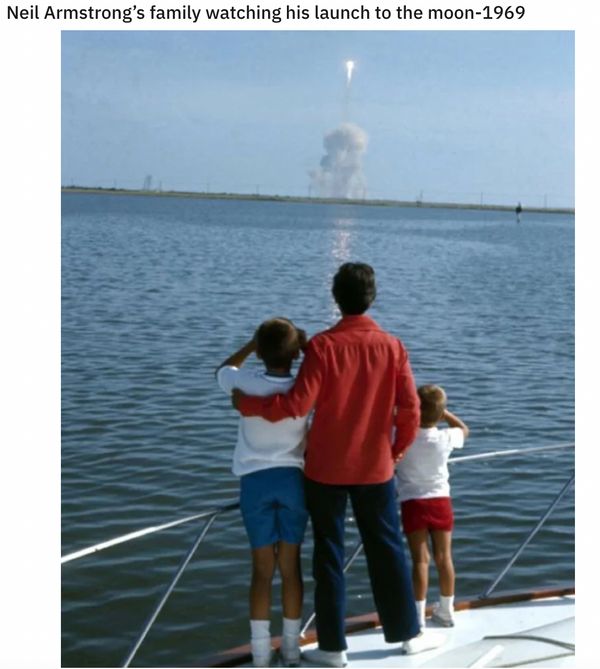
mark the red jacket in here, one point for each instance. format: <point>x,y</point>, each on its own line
<point>359,381</point>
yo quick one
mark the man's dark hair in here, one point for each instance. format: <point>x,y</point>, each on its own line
<point>354,287</point>
<point>278,342</point>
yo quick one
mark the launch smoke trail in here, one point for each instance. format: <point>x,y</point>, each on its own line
<point>349,68</point>
<point>340,171</point>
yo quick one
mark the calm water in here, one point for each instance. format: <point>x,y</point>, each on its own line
<point>158,291</point>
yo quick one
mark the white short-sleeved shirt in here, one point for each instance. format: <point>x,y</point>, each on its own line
<point>423,471</point>
<point>261,444</point>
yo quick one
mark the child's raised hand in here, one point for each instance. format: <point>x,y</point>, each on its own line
<point>236,395</point>
<point>302,338</point>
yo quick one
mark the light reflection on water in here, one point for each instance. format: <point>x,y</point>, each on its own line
<point>342,245</point>
<point>157,291</point>
<point>341,252</point>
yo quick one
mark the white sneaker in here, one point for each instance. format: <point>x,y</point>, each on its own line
<point>290,655</point>
<point>325,658</point>
<point>443,618</point>
<point>425,640</point>
<point>262,660</point>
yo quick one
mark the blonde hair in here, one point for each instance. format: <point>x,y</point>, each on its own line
<point>433,404</point>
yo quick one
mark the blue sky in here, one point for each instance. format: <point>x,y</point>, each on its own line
<point>457,115</point>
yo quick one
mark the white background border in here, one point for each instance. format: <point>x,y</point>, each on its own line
<point>30,331</point>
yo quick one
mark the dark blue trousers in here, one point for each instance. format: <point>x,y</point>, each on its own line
<point>376,513</point>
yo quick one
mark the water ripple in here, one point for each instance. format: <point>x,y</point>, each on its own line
<point>156,292</point>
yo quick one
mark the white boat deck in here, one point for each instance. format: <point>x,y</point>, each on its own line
<point>465,646</point>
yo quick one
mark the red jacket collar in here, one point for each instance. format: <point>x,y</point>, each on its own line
<point>360,322</point>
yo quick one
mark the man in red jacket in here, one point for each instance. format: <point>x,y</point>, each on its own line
<point>358,380</point>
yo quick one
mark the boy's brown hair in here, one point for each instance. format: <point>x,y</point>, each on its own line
<point>278,342</point>
<point>433,404</point>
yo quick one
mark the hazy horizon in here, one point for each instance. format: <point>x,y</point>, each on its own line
<point>475,117</point>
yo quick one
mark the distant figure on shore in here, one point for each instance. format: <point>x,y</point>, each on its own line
<point>518,210</point>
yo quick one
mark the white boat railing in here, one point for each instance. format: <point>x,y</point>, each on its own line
<point>146,531</point>
<point>211,515</point>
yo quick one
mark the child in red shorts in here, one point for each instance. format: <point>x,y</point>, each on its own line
<point>424,493</point>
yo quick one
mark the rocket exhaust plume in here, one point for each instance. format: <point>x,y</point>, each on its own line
<point>349,68</point>
<point>340,172</point>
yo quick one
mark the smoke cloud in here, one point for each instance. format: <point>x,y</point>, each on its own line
<point>340,171</point>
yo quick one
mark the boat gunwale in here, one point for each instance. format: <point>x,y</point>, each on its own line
<point>242,654</point>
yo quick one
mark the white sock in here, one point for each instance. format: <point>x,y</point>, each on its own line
<point>447,604</point>
<point>260,629</point>
<point>421,611</point>
<point>291,629</point>
<point>260,640</point>
<point>290,642</point>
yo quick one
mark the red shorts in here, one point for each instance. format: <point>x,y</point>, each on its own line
<point>431,513</point>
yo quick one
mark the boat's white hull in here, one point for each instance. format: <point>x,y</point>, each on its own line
<point>534,629</point>
<point>469,641</point>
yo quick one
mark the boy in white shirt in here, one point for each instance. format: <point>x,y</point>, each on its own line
<point>426,506</point>
<point>269,458</point>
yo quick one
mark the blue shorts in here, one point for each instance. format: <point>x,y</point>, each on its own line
<point>273,507</point>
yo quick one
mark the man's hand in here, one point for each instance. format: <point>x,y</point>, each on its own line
<point>236,395</point>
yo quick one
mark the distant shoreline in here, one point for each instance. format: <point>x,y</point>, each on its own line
<point>312,200</point>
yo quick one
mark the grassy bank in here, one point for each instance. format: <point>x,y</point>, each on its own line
<point>310,200</point>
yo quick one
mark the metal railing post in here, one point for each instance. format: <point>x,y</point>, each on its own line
<point>168,591</point>
<point>347,566</point>
<point>528,538</point>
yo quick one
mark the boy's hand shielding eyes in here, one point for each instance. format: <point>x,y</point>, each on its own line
<point>236,394</point>
<point>303,339</point>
